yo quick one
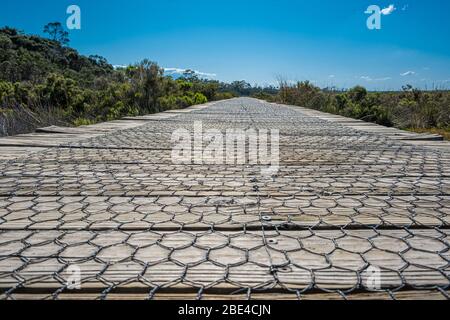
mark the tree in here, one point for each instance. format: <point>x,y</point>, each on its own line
<point>147,80</point>
<point>99,60</point>
<point>57,33</point>
<point>357,94</point>
<point>190,75</point>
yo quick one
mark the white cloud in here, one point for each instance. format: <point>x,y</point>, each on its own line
<point>119,66</point>
<point>211,75</point>
<point>331,76</point>
<point>383,79</point>
<point>407,73</point>
<point>174,70</point>
<point>388,10</point>
<point>180,70</point>
<point>367,78</point>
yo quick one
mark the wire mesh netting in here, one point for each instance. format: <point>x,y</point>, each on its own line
<point>348,214</point>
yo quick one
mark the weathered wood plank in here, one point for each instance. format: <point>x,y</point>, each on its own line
<point>222,213</point>
<point>400,295</point>
<point>225,261</point>
<point>107,197</point>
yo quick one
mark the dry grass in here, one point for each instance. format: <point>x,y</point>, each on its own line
<point>443,132</point>
<point>22,120</point>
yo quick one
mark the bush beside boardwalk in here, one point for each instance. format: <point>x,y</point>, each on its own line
<point>410,109</point>
<point>44,82</point>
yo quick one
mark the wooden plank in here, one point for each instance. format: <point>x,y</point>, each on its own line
<point>189,259</point>
<point>348,195</point>
<point>400,295</point>
<point>222,213</point>
<point>13,152</point>
<point>433,141</point>
<point>53,136</point>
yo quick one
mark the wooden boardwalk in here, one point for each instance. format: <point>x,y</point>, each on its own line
<point>355,211</point>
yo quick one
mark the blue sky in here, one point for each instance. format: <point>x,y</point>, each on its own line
<point>324,41</point>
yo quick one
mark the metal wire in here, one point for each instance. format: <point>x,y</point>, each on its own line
<point>342,202</point>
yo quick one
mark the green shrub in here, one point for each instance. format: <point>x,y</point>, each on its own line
<point>199,98</point>
<point>224,96</point>
<point>6,90</point>
<point>410,108</point>
<point>82,122</point>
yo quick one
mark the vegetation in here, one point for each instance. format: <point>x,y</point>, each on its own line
<point>57,32</point>
<point>44,82</point>
<point>411,108</point>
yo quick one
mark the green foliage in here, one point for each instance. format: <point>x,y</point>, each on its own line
<point>32,58</point>
<point>41,76</point>
<point>6,90</point>
<point>199,98</point>
<point>357,94</point>
<point>179,102</point>
<point>411,108</point>
<point>82,122</point>
<point>224,96</point>
<point>57,33</point>
<point>304,94</point>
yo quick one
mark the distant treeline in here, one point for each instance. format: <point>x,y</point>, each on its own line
<point>411,108</point>
<point>44,82</point>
